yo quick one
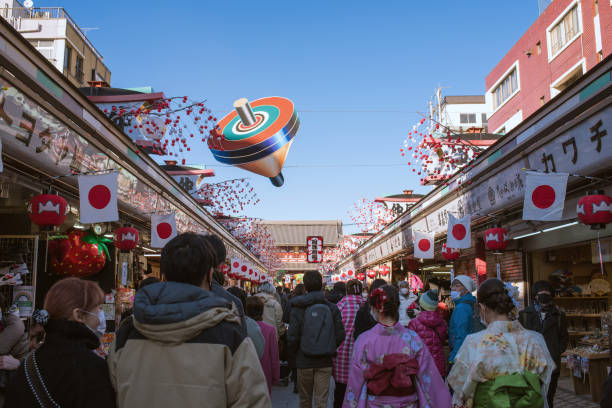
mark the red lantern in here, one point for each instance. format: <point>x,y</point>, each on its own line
<point>225,269</point>
<point>371,274</point>
<point>496,238</point>
<point>126,238</point>
<point>595,210</point>
<point>450,253</point>
<point>361,276</point>
<point>48,210</point>
<point>384,270</point>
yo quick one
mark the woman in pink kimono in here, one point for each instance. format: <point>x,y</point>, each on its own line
<point>270,363</point>
<point>391,366</point>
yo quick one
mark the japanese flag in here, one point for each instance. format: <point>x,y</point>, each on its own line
<point>423,245</point>
<point>544,196</point>
<point>459,235</point>
<point>98,198</point>
<point>163,229</point>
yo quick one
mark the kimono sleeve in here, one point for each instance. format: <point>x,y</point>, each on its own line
<point>460,378</point>
<point>356,390</point>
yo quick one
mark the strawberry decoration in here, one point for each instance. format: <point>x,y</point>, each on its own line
<point>78,254</point>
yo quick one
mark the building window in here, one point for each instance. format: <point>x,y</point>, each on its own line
<point>78,69</point>
<point>67,58</point>
<point>45,47</point>
<point>564,31</point>
<point>483,118</point>
<point>506,88</point>
<point>539,47</point>
<point>542,100</point>
<point>467,118</point>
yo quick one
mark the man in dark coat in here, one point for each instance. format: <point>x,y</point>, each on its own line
<point>314,372</point>
<point>546,318</point>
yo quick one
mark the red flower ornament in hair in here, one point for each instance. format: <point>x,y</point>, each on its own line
<point>380,298</point>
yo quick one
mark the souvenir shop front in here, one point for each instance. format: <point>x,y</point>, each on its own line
<point>77,198</point>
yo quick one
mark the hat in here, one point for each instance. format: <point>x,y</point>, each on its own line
<point>429,300</point>
<point>467,282</point>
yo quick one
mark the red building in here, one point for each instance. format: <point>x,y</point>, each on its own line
<point>567,39</point>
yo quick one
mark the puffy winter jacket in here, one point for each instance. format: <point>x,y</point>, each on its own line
<point>461,323</point>
<point>185,348</point>
<point>432,329</point>
<point>299,305</point>
<point>273,312</point>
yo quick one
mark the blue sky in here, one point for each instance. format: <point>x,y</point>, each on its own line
<point>324,55</point>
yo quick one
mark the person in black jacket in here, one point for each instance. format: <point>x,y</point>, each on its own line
<point>65,371</point>
<point>364,320</point>
<point>544,317</point>
<point>337,293</point>
<point>314,372</point>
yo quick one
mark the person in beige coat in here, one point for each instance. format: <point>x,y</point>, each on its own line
<point>273,311</point>
<point>184,346</point>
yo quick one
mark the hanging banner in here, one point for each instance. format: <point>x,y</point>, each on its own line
<point>459,234</point>
<point>314,247</point>
<point>98,198</point>
<point>163,229</point>
<point>423,245</point>
<point>544,196</point>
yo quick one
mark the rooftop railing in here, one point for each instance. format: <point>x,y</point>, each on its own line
<point>14,15</point>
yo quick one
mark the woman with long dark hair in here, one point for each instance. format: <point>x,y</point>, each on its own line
<point>391,366</point>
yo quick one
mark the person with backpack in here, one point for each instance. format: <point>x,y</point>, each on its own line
<point>504,365</point>
<point>546,318</point>
<point>315,332</point>
<point>431,328</point>
<point>391,366</point>
<point>185,346</point>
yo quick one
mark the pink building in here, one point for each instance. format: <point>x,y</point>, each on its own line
<point>569,38</point>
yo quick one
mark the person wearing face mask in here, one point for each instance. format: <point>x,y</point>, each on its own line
<point>408,300</point>
<point>544,317</point>
<point>461,322</point>
<point>65,371</point>
<point>504,365</point>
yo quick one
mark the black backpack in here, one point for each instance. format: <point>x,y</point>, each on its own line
<point>318,333</point>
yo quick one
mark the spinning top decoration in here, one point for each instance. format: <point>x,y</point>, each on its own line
<point>257,136</point>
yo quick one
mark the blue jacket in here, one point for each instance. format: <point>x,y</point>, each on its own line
<point>461,323</point>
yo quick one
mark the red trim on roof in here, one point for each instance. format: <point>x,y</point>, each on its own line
<point>204,172</point>
<point>396,200</point>
<point>127,98</point>
<point>468,142</point>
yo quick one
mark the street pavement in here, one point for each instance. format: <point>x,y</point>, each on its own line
<point>283,397</point>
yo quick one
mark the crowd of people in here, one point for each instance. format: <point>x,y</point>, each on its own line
<point>191,341</point>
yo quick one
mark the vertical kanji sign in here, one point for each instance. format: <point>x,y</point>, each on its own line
<point>314,249</point>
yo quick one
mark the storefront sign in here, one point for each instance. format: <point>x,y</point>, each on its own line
<point>124,273</point>
<point>580,150</point>
<point>23,298</point>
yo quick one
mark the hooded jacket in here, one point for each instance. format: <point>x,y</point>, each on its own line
<point>185,347</point>
<point>298,307</point>
<point>461,323</point>
<point>432,329</point>
<point>273,312</point>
